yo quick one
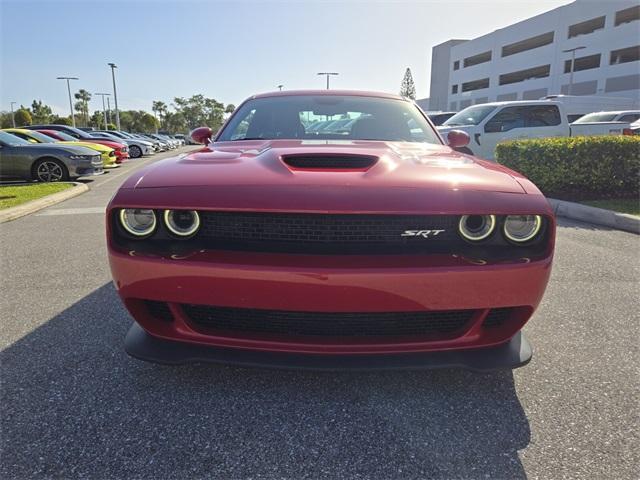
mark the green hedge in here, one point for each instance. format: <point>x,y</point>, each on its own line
<point>577,167</point>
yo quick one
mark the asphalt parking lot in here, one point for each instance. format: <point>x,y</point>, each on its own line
<point>74,405</point>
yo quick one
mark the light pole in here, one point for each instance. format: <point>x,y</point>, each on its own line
<point>115,95</point>
<point>108,113</point>
<point>573,62</point>
<point>104,111</point>
<point>13,117</point>
<point>328,74</point>
<point>73,117</point>
<point>280,87</point>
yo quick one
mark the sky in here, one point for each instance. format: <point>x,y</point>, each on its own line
<point>230,50</point>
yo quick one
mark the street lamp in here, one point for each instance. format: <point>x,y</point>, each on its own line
<point>104,111</point>
<point>573,62</point>
<point>73,117</point>
<point>13,117</point>
<point>328,74</point>
<point>108,113</point>
<point>115,95</point>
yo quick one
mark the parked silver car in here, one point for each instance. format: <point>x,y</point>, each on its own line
<point>137,147</point>
<point>45,162</point>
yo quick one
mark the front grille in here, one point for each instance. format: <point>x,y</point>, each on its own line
<point>330,162</point>
<point>333,325</point>
<point>497,317</point>
<point>318,233</point>
<point>159,310</point>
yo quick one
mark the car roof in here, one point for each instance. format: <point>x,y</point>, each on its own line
<point>19,130</point>
<point>615,112</point>
<point>352,93</point>
<point>516,103</point>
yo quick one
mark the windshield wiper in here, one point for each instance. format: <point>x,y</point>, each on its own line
<point>249,138</point>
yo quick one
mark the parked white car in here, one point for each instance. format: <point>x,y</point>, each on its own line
<point>490,123</point>
<point>628,116</point>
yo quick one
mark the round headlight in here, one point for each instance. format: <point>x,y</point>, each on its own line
<point>137,221</point>
<point>476,227</point>
<point>183,223</point>
<point>522,228</point>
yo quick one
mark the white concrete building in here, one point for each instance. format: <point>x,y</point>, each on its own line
<point>528,60</point>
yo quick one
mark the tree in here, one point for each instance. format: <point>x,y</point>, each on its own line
<point>57,120</point>
<point>408,88</point>
<point>161,109</point>
<point>97,119</point>
<point>40,112</point>
<point>5,120</point>
<point>83,96</point>
<point>199,111</point>
<point>23,117</point>
<point>229,108</point>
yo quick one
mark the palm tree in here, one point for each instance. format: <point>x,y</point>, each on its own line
<point>84,97</point>
<point>161,109</point>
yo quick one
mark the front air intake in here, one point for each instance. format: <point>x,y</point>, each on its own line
<point>329,162</point>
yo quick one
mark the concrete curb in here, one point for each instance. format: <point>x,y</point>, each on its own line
<point>44,202</point>
<point>598,216</point>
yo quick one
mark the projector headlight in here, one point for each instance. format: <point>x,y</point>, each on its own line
<point>182,223</point>
<point>476,227</point>
<point>137,221</point>
<point>522,228</point>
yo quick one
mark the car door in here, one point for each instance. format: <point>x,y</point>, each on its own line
<point>11,161</point>
<point>506,124</point>
<point>543,121</point>
<point>521,122</point>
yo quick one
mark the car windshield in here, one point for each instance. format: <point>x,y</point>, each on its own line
<point>41,138</point>
<point>597,117</point>
<point>470,116</point>
<point>329,117</point>
<point>9,139</point>
<point>65,136</point>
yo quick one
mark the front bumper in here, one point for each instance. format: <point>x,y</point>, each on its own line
<point>512,354</point>
<point>86,168</point>
<point>327,284</point>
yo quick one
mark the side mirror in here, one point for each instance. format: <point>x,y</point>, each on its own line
<point>202,135</point>
<point>458,139</point>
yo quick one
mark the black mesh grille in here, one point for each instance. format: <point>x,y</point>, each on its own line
<point>342,233</point>
<point>159,310</point>
<point>321,324</point>
<point>497,317</point>
<point>329,161</point>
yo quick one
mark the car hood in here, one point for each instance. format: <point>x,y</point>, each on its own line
<point>399,164</point>
<point>93,146</point>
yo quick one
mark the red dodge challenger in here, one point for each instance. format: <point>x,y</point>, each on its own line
<point>328,230</point>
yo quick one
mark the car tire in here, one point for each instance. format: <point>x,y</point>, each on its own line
<point>135,151</point>
<point>49,170</point>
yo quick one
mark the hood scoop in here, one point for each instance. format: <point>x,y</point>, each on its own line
<point>329,161</point>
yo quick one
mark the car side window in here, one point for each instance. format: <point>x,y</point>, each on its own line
<point>542,116</point>
<point>506,119</point>
<point>631,117</point>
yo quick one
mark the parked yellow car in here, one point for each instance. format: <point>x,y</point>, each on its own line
<point>107,154</point>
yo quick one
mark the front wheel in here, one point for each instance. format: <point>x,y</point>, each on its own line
<point>50,170</point>
<point>135,151</point>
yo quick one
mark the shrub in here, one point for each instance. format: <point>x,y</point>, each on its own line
<point>577,167</point>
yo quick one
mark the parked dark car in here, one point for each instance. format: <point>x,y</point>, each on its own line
<point>45,162</point>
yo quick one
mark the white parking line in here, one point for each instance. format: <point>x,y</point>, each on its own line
<point>71,211</point>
